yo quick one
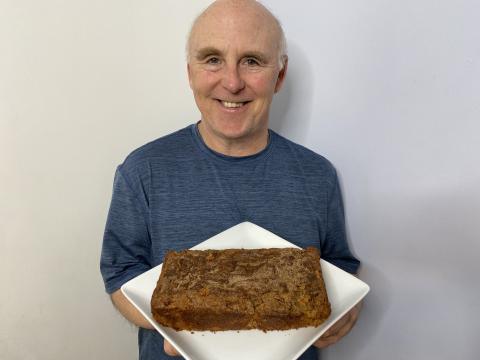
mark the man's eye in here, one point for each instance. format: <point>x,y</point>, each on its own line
<point>213,61</point>
<point>251,62</point>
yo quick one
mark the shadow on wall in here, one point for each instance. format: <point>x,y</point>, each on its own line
<point>370,322</point>
<point>291,110</point>
<point>291,116</point>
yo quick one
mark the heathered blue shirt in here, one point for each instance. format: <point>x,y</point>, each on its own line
<point>175,192</point>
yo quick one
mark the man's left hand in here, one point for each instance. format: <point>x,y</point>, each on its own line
<point>340,328</point>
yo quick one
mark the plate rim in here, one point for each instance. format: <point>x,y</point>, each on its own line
<point>159,328</point>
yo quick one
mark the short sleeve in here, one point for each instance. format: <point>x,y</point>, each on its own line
<point>126,242</point>
<point>335,248</point>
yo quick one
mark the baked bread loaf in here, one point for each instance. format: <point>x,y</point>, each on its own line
<point>236,289</point>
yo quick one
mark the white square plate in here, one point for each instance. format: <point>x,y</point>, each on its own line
<point>344,291</point>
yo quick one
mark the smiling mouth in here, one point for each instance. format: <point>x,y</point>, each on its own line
<point>233,105</point>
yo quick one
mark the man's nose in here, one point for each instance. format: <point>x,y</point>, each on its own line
<point>232,79</point>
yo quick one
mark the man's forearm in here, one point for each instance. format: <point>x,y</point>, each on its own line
<point>129,311</point>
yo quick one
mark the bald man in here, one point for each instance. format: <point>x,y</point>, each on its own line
<point>229,167</point>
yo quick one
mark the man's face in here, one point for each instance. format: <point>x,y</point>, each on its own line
<point>234,71</point>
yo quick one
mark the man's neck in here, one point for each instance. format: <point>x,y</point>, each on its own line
<point>237,147</point>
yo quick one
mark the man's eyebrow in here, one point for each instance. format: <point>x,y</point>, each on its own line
<point>207,51</point>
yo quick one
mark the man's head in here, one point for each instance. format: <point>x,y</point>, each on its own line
<point>236,62</point>
<point>280,37</point>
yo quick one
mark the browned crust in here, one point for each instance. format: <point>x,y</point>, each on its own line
<point>238,289</point>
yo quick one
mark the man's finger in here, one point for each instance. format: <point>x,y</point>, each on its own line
<point>339,329</point>
<point>169,349</point>
<point>323,343</point>
<point>349,318</point>
<point>331,339</point>
<point>344,330</point>
<point>337,326</point>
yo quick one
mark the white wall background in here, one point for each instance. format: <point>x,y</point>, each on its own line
<point>388,91</point>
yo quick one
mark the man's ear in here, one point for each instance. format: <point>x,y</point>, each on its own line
<point>282,74</point>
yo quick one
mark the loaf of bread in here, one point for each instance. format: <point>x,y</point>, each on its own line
<point>236,289</point>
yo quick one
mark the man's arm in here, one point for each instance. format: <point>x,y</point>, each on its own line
<point>125,247</point>
<point>129,311</point>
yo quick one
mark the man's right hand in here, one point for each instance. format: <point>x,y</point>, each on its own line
<point>169,349</point>
<point>129,311</point>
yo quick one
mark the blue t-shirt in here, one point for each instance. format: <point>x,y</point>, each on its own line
<point>175,192</point>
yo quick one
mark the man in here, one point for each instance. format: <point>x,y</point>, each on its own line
<point>180,190</point>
